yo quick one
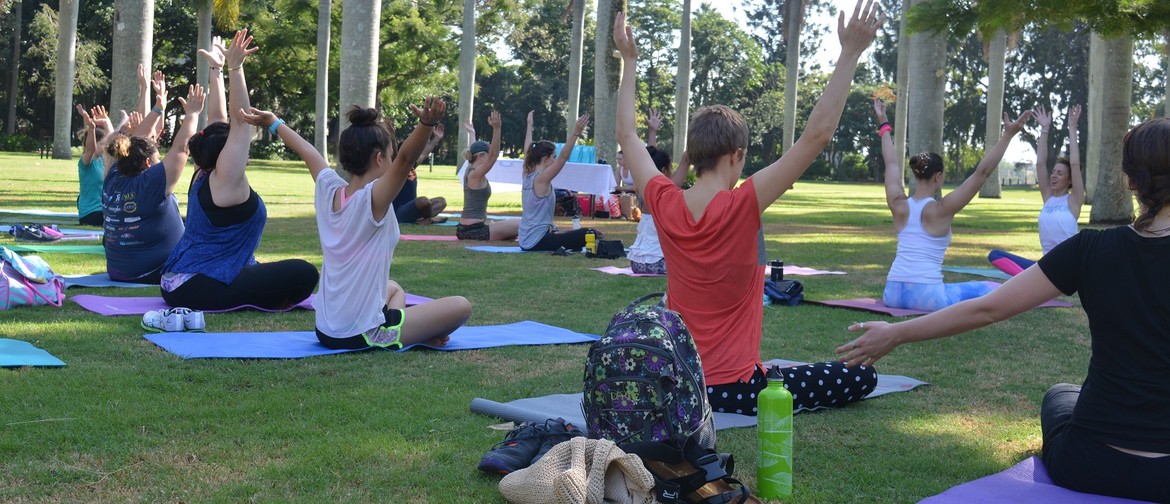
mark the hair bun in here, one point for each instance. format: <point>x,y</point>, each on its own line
<point>119,147</point>
<point>359,116</point>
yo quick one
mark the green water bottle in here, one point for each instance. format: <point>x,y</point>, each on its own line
<point>774,469</point>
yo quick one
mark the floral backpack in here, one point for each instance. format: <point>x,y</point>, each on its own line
<point>644,380</point>
<point>28,281</point>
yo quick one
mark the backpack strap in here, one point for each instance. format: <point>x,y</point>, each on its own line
<point>647,297</point>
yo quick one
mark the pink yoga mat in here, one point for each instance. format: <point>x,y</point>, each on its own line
<point>1023,483</point>
<point>114,306</point>
<point>876,306</point>
<point>414,237</point>
<point>788,270</point>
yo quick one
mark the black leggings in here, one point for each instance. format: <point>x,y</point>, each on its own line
<point>820,385</point>
<point>271,286</point>
<point>572,240</point>
<point>91,219</point>
<point>1077,461</point>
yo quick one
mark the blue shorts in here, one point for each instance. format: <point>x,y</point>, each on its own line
<point>932,297</point>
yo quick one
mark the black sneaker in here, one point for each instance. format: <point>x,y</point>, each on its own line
<point>34,233</point>
<point>515,452</point>
<point>557,431</point>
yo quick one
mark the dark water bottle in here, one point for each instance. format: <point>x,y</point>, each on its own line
<point>777,270</point>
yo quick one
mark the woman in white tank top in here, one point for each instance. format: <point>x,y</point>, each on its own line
<point>923,224</point>
<point>1063,193</point>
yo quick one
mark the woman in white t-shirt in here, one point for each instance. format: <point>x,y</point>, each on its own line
<point>1063,193</point>
<point>358,306</point>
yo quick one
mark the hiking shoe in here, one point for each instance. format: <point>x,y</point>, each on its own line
<point>192,319</point>
<point>556,431</point>
<point>162,321</point>
<point>515,452</point>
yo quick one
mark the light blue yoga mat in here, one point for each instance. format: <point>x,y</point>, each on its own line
<point>295,345</point>
<point>14,353</point>
<point>496,249</point>
<point>568,406</point>
<point>63,249</point>
<point>100,280</point>
<point>983,272</point>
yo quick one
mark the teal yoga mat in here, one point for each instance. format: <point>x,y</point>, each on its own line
<point>60,249</point>
<point>14,353</point>
<point>983,272</point>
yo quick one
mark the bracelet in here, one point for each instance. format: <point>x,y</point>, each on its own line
<point>241,65</point>
<point>214,68</point>
<point>275,125</point>
<point>884,128</point>
<point>429,125</point>
<point>156,109</point>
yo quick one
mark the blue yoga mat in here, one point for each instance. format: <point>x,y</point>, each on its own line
<point>983,272</point>
<point>496,249</point>
<point>294,345</point>
<point>14,353</point>
<point>100,280</point>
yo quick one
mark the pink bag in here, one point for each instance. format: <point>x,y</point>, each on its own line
<point>28,281</point>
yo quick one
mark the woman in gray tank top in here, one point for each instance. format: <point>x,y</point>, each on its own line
<point>473,223</point>
<point>537,231</point>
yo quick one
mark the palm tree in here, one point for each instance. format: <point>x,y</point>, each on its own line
<point>466,70</point>
<point>996,54</point>
<point>14,81</point>
<point>793,19</point>
<point>903,83</point>
<point>359,55</point>
<point>682,91</point>
<point>225,14</point>
<point>64,71</point>
<point>607,76</point>
<point>927,79</point>
<point>1109,108</point>
<point>133,36</point>
<point>575,54</point>
<point>321,129</point>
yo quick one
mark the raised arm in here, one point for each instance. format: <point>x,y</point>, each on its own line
<point>895,192</point>
<point>436,136</point>
<point>291,138</point>
<point>143,90</point>
<point>90,148</point>
<point>177,156</point>
<point>957,199</point>
<point>653,124</point>
<point>493,152</point>
<point>388,185</point>
<point>230,184</point>
<point>1022,293</point>
<point>776,178</point>
<point>1077,193</point>
<point>637,160</point>
<point>147,125</point>
<point>216,104</point>
<point>543,182</point>
<point>527,136</point>
<point>679,176</point>
<point>1045,120</point>
<point>470,129</point>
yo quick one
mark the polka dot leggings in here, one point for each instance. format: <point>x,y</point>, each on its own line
<point>813,386</point>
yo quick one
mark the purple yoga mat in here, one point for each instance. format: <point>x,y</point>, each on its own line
<point>873,305</point>
<point>414,237</point>
<point>1026,482</point>
<point>114,306</point>
<point>788,270</point>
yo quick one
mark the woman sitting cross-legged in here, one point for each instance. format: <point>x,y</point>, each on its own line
<point>537,231</point>
<point>213,267</point>
<point>473,224</point>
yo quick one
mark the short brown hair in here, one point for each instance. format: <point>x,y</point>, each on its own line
<point>715,131</point>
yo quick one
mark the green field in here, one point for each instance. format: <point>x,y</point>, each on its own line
<point>128,422</point>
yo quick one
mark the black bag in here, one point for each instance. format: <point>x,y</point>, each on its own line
<point>608,249</point>
<point>785,292</point>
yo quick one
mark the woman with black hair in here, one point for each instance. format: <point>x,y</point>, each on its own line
<point>213,266</point>
<point>923,224</point>
<point>537,231</point>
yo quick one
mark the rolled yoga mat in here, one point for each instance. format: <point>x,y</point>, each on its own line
<point>876,306</point>
<point>788,270</point>
<point>115,305</point>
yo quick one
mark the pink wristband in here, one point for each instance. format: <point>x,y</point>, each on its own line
<point>885,128</point>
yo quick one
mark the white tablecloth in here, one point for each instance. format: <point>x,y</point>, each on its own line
<point>508,175</point>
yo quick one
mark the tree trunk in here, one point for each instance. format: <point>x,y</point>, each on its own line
<point>359,55</point>
<point>202,69</point>
<point>903,81</point>
<point>793,11</point>
<point>576,49</point>
<point>466,70</point>
<point>607,77</point>
<point>997,53</point>
<point>682,87</point>
<point>63,75</point>
<point>1166,62</point>
<point>1093,115</point>
<point>14,80</point>
<point>928,55</point>
<point>321,125</point>
<point>1112,203</point>
<point>133,45</point>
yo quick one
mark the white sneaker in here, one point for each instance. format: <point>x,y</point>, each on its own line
<point>192,319</point>
<point>162,321</point>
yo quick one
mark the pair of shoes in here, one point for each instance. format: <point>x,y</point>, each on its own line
<point>174,320</point>
<point>526,444</point>
<point>561,251</point>
<point>35,232</point>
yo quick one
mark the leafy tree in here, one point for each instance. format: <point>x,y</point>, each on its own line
<point>656,22</point>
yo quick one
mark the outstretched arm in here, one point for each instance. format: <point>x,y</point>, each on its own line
<point>231,183</point>
<point>1077,193</point>
<point>776,178</point>
<point>527,136</point>
<point>895,192</point>
<point>431,144</point>
<point>388,185</point>
<point>216,104</point>
<point>493,152</point>
<point>90,135</point>
<point>143,90</point>
<point>637,160</point>
<point>291,138</point>
<point>957,199</point>
<point>177,156</point>
<point>1022,293</point>
<point>1045,121</point>
<point>653,124</point>
<point>543,182</point>
<point>679,176</point>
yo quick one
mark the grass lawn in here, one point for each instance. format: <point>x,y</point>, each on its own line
<point>128,422</point>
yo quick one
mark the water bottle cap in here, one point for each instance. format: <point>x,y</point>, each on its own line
<point>774,374</point>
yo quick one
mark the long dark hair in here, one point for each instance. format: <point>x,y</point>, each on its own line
<point>1145,159</point>
<point>365,137</point>
<point>538,151</point>
<point>206,145</point>
<point>130,153</point>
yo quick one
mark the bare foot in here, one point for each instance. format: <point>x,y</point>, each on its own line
<point>440,341</point>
